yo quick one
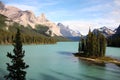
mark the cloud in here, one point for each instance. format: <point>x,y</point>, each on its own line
<point>49,4</point>
<point>24,7</point>
<point>31,7</point>
<point>108,16</point>
<point>117,2</point>
<point>114,14</point>
<point>95,8</point>
<point>81,26</point>
<point>116,10</point>
<point>35,5</point>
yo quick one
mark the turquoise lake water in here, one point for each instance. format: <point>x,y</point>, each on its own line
<point>56,62</point>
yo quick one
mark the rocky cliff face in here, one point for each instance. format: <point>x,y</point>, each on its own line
<point>28,18</point>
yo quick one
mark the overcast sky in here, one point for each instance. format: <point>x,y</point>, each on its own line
<point>78,14</point>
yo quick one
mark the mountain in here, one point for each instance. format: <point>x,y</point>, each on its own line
<point>27,18</point>
<point>105,31</point>
<point>69,33</point>
<point>118,30</point>
<point>114,40</point>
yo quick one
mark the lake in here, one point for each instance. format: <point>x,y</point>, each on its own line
<point>56,62</point>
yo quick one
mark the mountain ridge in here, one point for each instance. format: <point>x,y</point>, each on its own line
<point>105,31</point>
<point>69,33</point>
<point>27,17</point>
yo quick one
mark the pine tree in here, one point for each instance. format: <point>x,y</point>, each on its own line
<point>89,43</point>
<point>102,45</point>
<point>98,44</point>
<point>94,45</point>
<point>17,66</point>
<point>83,44</point>
<point>79,47</point>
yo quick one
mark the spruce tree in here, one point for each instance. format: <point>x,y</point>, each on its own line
<point>17,66</point>
<point>98,44</point>
<point>79,47</point>
<point>89,43</point>
<point>83,44</point>
<point>94,45</point>
<point>102,45</point>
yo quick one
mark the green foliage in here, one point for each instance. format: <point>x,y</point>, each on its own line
<point>60,38</point>
<point>114,41</point>
<point>94,45</point>
<point>82,45</point>
<point>2,21</point>
<point>17,66</point>
<point>42,29</point>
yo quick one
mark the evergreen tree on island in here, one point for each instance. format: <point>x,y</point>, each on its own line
<point>82,44</point>
<point>93,46</point>
<point>17,66</point>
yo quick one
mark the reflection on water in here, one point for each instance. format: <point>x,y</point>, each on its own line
<point>56,62</point>
<point>65,53</point>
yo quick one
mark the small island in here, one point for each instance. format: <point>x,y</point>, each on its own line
<point>92,48</point>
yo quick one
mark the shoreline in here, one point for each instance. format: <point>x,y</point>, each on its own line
<point>99,60</point>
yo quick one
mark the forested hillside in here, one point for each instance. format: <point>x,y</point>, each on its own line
<point>114,40</point>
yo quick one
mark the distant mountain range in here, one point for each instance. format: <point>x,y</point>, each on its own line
<point>69,33</point>
<point>105,31</point>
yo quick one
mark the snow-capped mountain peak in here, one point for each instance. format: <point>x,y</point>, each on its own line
<point>105,31</point>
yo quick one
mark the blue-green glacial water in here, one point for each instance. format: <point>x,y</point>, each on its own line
<point>56,62</point>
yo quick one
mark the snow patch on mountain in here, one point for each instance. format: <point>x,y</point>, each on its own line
<point>67,32</point>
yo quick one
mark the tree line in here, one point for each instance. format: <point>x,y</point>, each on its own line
<point>7,38</point>
<point>94,45</point>
<point>114,41</point>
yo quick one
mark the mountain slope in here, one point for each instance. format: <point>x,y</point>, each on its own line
<point>118,30</point>
<point>27,18</point>
<point>105,31</point>
<point>69,33</point>
<point>114,40</point>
